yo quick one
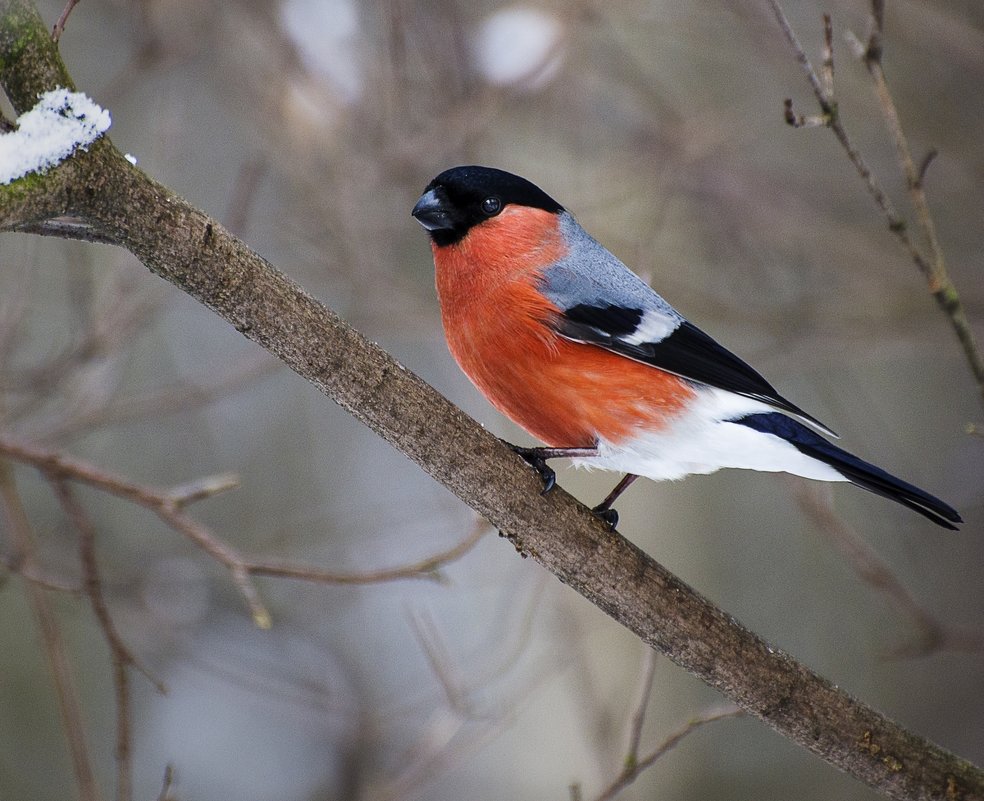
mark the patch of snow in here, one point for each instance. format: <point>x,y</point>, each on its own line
<point>61,123</point>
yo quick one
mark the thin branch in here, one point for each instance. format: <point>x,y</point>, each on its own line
<point>15,564</point>
<point>932,266</point>
<point>56,465</point>
<point>643,695</point>
<point>928,158</point>
<point>166,784</point>
<point>59,27</point>
<point>427,568</point>
<point>633,765</point>
<point>815,500</point>
<point>168,504</point>
<point>54,645</point>
<point>435,650</point>
<point>244,192</point>
<point>513,642</point>
<point>827,66</point>
<point>634,769</point>
<point>447,736</point>
<point>202,488</point>
<point>119,318</point>
<point>831,119</point>
<point>874,47</point>
<point>823,99</point>
<point>13,307</point>
<point>121,657</point>
<point>156,403</point>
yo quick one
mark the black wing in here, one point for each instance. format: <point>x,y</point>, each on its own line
<point>686,351</point>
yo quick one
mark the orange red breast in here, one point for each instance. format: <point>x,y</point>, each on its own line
<point>497,323</point>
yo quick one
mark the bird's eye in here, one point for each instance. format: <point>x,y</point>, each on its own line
<point>491,206</point>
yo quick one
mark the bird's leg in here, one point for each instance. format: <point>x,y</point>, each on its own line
<point>537,459</point>
<point>604,509</point>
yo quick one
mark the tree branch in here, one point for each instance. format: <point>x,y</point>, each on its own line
<point>121,655</point>
<point>636,765</point>
<point>168,504</point>
<point>931,634</point>
<point>196,254</point>
<point>66,690</point>
<point>931,265</point>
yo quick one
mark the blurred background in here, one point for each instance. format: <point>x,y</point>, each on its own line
<point>309,127</point>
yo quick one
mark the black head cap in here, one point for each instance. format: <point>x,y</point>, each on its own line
<point>462,197</point>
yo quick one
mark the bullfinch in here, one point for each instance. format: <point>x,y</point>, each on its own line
<point>579,351</point>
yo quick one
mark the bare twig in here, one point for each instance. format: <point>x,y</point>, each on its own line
<point>815,500</point>
<point>427,568</point>
<point>166,784</point>
<point>933,265</point>
<point>57,465</point>
<point>827,65</point>
<point>122,657</point>
<point>168,504</point>
<point>119,653</point>
<point>119,317</point>
<point>515,640</point>
<point>795,120</point>
<point>458,691</point>
<point>202,488</point>
<point>928,157</point>
<point>463,722</point>
<point>638,717</point>
<point>13,307</point>
<point>59,28</point>
<point>447,736</point>
<point>244,191</point>
<point>824,100</point>
<point>15,564</point>
<point>435,650</point>
<point>633,769</point>
<point>874,48</point>
<point>831,120</point>
<point>156,403</point>
<point>632,764</point>
<point>54,645</point>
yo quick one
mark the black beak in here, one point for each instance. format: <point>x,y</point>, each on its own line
<point>432,212</point>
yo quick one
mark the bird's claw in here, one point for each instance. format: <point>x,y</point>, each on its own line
<point>608,515</point>
<point>534,459</point>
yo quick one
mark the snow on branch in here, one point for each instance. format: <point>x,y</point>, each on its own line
<point>61,123</point>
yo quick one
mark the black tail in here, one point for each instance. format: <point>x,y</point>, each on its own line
<point>855,470</point>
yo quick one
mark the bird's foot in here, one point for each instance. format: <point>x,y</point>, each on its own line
<point>604,509</point>
<point>607,515</point>
<point>537,459</point>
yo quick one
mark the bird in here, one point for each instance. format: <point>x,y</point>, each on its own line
<point>575,348</point>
